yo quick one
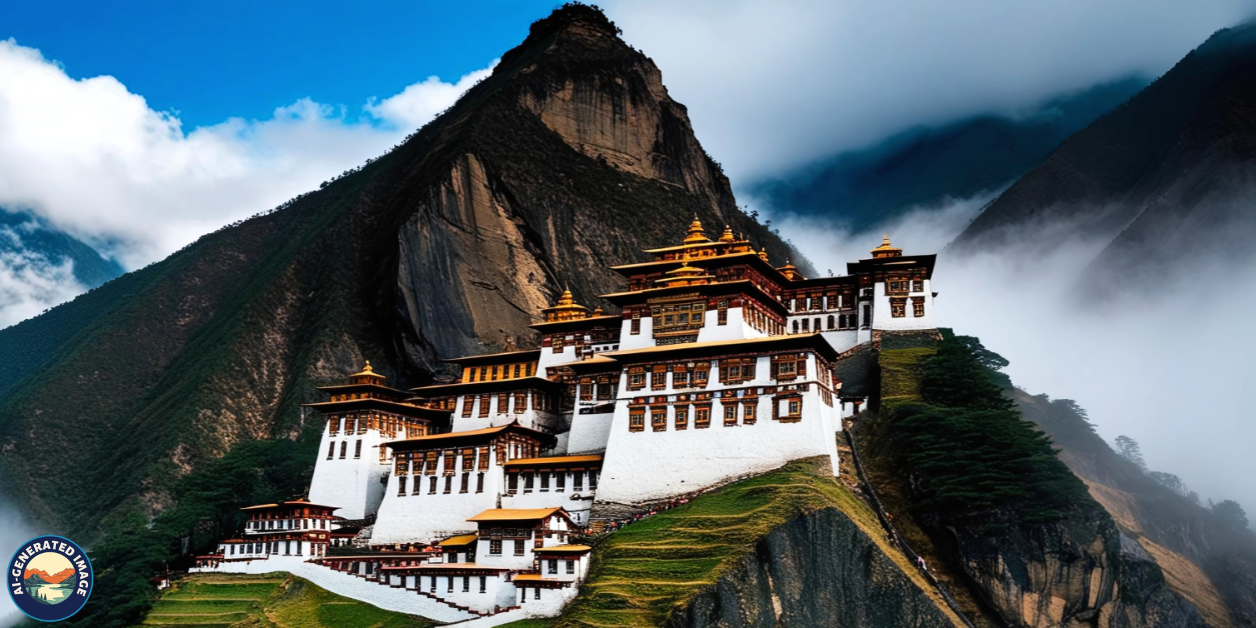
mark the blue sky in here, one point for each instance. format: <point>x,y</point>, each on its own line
<point>213,60</point>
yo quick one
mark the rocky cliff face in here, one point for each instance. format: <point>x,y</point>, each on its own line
<point>1079,573</point>
<point>569,158</point>
<point>818,569</point>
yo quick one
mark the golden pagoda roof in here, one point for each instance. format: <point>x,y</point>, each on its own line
<point>886,249</point>
<point>727,236</point>
<point>790,271</point>
<point>367,371</point>
<point>695,234</point>
<point>459,541</point>
<point>565,309</point>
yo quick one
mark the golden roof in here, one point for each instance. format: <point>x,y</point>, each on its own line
<point>564,549</point>
<point>459,541</point>
<point>515,514</point>
<point>556,460</point>
<point>886,249</point>
<point>763,254</point>
<point>686,276</point>
<point>727,236</point>
<point>566,309</point>
<point>534,577</point>
<point>790,271</point>
<point>367,371</point>
<point>695,235</point>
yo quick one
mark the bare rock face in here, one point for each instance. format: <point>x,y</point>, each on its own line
<point>819,569</point>
<point>1079,573</point>
<point>569,158</point>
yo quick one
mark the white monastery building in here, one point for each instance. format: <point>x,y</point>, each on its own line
<point>467,500</point>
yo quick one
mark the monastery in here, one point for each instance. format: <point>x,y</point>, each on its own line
<point>467,501</point>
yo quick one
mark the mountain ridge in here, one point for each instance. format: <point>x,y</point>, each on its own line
<point>449,244</point>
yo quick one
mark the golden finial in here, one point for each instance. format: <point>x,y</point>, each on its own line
<point>367,371</point>
<point>886,249</point>
<point>727,236</point>
<point>368,366</point>
<point>695,234</point>
<point>763,254</point>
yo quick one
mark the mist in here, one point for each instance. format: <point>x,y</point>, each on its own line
<point>13,532</point>
<point>1167,362</point>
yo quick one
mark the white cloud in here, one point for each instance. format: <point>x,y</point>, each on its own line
<point>772,85</point>
<point>420,102</point>
<point>92,159</point>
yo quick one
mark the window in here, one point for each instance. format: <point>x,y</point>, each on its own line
<point>357,449</point>
<point>571,566</point>
<point>331,450</point>
<point>658,377</point>
<point>512,484</point>
<point>586,389</point>
<point>635,326</point>
<point>401,486</point>
<point>593,480</point>
<point>495,547</point>
<point>517,369</point>
<point>898,307</point>
<point>702,417</point>
<point>795,327</point>
<point>557,344</point>
<point>658,419</point>
<point>918,285</point>
<point>479,483</point>
<point>483,459</point>
<point>521,403</point>
<point>867,315</point>
<point>503,403</point>
<point>536,593</point>
<point>832,322</point>
<point>431,485</point>
<point>682,417</point>
<point>484,583</point>
<point>636,378</point>
<point>449,484</point>
<point>484,402</point>
<point>466,407</point>
<point>897,286</point>
<point>333,426</point>
<point>468,460</point>
<point>748,412</point>
<point>519,547</point>
<point>806,325</point>
<point>577,481</point>
<point>788,408</point>
<point>553,565</point>
<point>730,414</point>
<point>527,482</point>
<point>344,448</point>
<point>545,478</point>
<point>917,306</point>
<point>636,420</point>
<point>677,316</point>
<point>560,481</point>
<point>700,373</point>
<point>466,481</point>
<point>604,388</point>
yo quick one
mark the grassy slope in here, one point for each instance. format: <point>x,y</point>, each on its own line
<point>272,600</point>
<point>643,572</point>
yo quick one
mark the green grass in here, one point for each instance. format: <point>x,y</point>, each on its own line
<point>643,572</point>
<point>901,375</point>
<point>270,601</point>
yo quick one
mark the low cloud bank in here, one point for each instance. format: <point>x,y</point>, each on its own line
<point>1167,361</point>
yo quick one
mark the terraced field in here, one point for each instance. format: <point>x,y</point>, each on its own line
<point>644,571</point>
<point>269,601</point>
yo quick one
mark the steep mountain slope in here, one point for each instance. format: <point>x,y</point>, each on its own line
<point>1163,178</point>
<point>930,166</point>
<point>569,158</point>
<point>1209,561</point>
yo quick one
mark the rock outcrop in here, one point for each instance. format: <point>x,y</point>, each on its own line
<point>569,158</point>
<point>819,569</point>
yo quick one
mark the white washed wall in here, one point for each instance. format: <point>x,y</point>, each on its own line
<point>353,485</point>
<point>426,518</point>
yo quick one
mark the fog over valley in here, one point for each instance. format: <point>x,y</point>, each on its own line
<point>1166,362</point>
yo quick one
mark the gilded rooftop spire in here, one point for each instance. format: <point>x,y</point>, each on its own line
<point>886,249</point>
<point>695,234</point>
